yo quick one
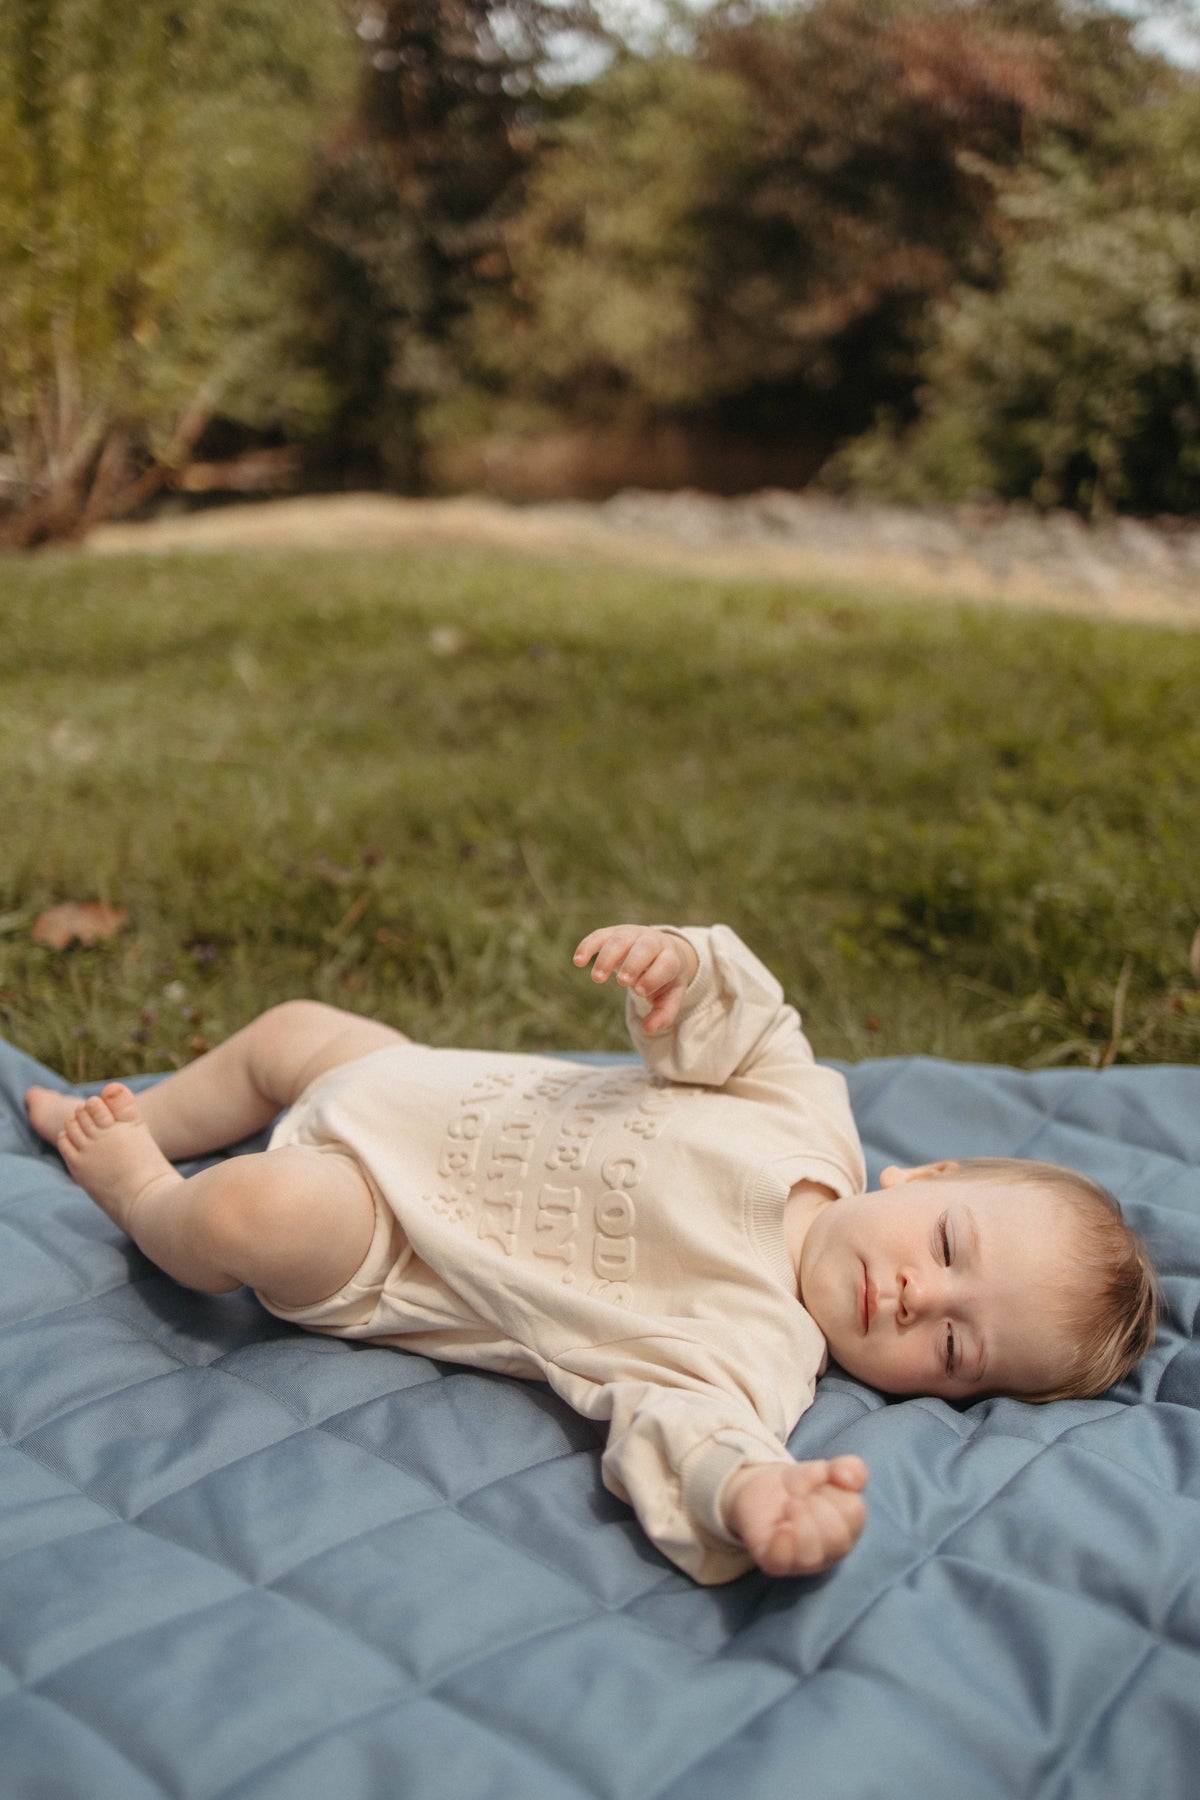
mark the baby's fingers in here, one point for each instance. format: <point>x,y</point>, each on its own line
<point>848,1472</point>
<point>608,945</point>
<point>837,1518</point>
<point>793,1548</point>
<point>809,1546</point>
<point>649,964</point>
<point>804,1479</point>
<point>813,1532</point>
<point>665,1010</point>
<point>636,953</point>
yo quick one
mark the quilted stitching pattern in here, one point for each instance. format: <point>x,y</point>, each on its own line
<point>237,1561</point>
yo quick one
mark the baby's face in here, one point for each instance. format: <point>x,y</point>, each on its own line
<point>942,1286</point>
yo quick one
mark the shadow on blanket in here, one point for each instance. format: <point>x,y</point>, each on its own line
<point>236,1560</point>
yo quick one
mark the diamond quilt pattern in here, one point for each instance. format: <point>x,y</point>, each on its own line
<point>241,1562</point>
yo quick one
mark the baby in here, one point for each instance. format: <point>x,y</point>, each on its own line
<point>674,1247</point>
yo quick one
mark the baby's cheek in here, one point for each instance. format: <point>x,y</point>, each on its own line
<point>894,1369</point>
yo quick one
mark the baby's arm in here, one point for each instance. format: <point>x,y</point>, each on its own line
<point>659,966</point>
<point>712,1012</point>
<point>798,1518</point>
<point>711,1483</point>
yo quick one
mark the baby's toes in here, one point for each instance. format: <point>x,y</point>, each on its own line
<point>121,1103</point>
<point>78,1130</point>
<point>96,1113</point>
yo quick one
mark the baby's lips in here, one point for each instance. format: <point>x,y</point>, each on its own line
<point>868,1301</point>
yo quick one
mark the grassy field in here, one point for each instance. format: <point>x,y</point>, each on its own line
<point>408,784</point>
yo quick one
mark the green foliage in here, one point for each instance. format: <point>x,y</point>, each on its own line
<point>150,154</point>
<point>756,230</point>
<point>1076,382</point>
<point>403,225</point>
<point>372,224</point>
<point>409,786</point>
<point>612,253</point>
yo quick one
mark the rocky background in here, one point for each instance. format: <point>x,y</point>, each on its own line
<point>1121,568</point>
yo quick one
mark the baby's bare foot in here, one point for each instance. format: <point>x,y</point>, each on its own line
<point>106,1144</point>
<point>49,1110</point>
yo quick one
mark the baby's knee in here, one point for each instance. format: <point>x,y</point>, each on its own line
<point>250,1203</point>
<point>298,1040</point>
<point>308,1022</point>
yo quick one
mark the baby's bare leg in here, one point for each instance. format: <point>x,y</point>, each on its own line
<point>294,1223</point>
<point>238,1088</point>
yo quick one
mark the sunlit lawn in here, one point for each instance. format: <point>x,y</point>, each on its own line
<point>409,783</point>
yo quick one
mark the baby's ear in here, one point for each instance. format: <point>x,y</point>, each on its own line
<point>894,1177</point>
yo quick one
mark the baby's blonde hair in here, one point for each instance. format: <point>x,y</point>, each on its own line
<point>1114,1307</point>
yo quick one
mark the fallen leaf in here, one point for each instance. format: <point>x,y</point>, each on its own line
<point>78,921</point>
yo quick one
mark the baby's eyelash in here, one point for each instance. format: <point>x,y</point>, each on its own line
<point>945,1239</point>
<point>950,1358</point>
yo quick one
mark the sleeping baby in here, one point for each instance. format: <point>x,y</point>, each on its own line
<point>677,1247</point>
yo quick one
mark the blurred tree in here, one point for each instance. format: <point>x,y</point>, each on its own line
<point>404,227</point>
<point>1076,381</point>
<point>756,231</point>
<point>150,153</point>
<point>885,134</point>
<point>617,255</point>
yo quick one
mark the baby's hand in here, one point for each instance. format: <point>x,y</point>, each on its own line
<point>798,1518</point>
<point>660,968</point>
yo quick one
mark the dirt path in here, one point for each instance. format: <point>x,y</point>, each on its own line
<point>1125,570</point>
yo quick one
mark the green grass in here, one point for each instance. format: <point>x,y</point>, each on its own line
<point>960,831</point>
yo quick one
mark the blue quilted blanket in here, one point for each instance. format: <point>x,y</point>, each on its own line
<point>239,1561</point>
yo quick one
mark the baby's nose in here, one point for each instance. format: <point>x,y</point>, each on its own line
<point>916,1295</point>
